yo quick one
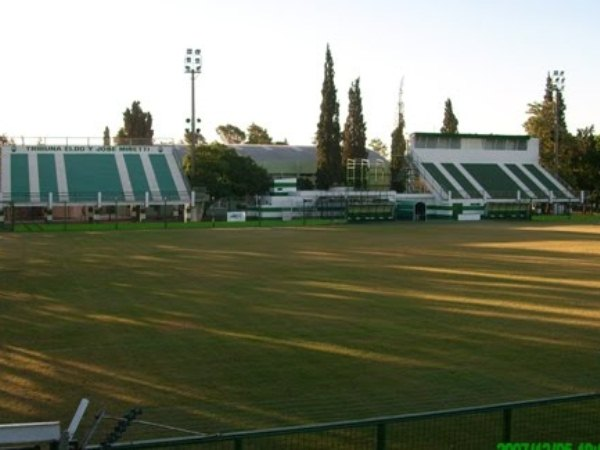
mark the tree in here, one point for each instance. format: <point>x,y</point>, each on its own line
<point>355,130</point>
<point>225,174</point>
<point>200,139</point>
<point>398,150</point>
<point>450,124</point>
<point>584,161</point>
<point>379,147</point>
<point>258,135</point>
<point>304,184</point>
<point>329,158</point>
<point>541,124</point>
<point>106,137</point>
<point>3,139</point>
<point>137,127</point>
<point>230,134</point>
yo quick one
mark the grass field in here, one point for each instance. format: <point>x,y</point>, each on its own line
<point>222,329</point>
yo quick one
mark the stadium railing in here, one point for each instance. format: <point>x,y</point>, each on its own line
<point>572,419</point>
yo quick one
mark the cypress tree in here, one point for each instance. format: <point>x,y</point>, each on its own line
<point>329,158</point>
<point>450,124</point>
<point>549,91</point>
<point>106,137</point>
<point>541,124</point>
<point>398,151</point>
<point>355,130</point>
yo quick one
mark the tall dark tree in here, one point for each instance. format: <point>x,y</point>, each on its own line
<point>258,135</point>
<point>106,137</point>
<point>137,127</point>
<point>230,134</point>
<point>541,124</point>
<point>450,123</point>
<point>329,157</point>
<point>398,151</point>
<point>355,129</point>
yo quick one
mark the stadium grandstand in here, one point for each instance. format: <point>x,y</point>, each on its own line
<point>86,182</point>
<point>460,176</point>
<point>474,175</point>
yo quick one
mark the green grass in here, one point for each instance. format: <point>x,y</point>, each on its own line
<point>592,218</point>
<point>159,225</point>
<point>216,329</point>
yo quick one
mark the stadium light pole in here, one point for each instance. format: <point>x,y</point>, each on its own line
<point>193,66</point>
<point>558,79</point>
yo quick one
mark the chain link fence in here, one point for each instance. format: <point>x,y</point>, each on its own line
<point>572,419</point>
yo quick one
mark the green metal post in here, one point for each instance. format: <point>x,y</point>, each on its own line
<point>380,444</point>
<point>238,444</point>
<point>507,425</point>
<point>165,212</point>
<point>12,216</point>
<point>116,213</point>
<point>303,211</point>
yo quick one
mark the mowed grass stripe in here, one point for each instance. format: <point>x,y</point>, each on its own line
<point>229,329</point>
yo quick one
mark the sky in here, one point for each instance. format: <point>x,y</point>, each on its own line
<point>71,67</point>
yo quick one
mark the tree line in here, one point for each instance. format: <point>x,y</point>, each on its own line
<point>573,157</point>
<point>335,147</point>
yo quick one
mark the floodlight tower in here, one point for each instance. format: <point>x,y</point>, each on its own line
<point>193,66</point>
<point>558,79</point>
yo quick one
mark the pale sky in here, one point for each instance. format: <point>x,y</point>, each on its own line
<point>69,68</point>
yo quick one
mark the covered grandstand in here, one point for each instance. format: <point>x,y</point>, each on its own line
<point>492,175</point>
<point>285,161</point>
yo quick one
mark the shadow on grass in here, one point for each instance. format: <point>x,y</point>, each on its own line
<point>276,327</point>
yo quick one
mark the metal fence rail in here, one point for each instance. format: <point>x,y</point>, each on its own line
<point>574,418</point>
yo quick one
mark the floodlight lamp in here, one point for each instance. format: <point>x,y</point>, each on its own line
<point>559,79</point>
<point>197,51</point>
<point>189,51</point>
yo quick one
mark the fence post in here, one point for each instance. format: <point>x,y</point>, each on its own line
<point>380,443</point>
<point>238,444</point>
<point>12,216</point>
<point>303,211</point>
<point>507,425</point>
<point>165,212</point>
